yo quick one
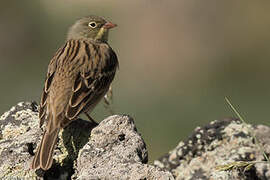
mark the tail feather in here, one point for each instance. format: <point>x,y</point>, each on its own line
<point>44,155</point>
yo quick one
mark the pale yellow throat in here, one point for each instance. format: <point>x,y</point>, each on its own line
<point>102,35</point>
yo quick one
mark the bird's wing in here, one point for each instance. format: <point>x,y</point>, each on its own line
<point>50,74</point>
<point>93,81</point>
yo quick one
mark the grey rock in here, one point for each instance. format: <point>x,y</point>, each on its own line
<point>121,155</point>
<point>18,132</point>
<point>115,150</point>
<point>112,150</point>
<point>219,143</point>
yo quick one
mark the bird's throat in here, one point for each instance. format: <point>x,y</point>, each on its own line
<point>102,35</point>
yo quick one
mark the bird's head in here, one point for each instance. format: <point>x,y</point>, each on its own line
<point>92,27</point>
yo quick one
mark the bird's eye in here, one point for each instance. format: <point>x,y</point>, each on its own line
<point>92,24</point>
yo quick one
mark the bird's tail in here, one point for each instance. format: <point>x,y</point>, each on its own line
<point>44,155</point>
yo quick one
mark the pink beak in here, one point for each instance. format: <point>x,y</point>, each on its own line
<point>109,25</point>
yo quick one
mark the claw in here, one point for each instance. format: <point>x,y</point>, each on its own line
<point>108,100</point>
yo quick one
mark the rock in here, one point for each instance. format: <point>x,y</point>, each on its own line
<point>121,155</point>
<point>18,132</point>
<point>115,150</point>
<point>112,150</point>
<point>219,143</point>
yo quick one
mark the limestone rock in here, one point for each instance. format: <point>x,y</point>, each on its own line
<point>112,150</point>
<point>18,132</point>
<point>219,143</point>
<point>116,151</point>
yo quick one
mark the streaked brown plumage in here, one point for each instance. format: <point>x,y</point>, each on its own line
<point>79,75</point>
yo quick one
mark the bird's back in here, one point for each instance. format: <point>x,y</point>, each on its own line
<point>83,71</point>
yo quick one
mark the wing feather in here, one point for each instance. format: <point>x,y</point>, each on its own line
<point>94,82</point>
<point>50,75</point>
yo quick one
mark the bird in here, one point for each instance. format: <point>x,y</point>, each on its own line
<point>78,77</point>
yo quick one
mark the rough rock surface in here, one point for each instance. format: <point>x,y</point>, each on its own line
<point>121,155</point>
<point>112,150</point>
<point>219,143</point>
<point>115,150</point>
<point>18,132</point>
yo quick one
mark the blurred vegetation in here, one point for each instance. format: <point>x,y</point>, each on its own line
<point>178,59</point>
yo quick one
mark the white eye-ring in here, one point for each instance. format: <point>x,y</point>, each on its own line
<point>92,24</point>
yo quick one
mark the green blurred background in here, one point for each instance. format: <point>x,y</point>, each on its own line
<point>178,59</point>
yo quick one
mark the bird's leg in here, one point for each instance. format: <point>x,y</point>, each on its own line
<point>108,98</point>
<point>91,119</point>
